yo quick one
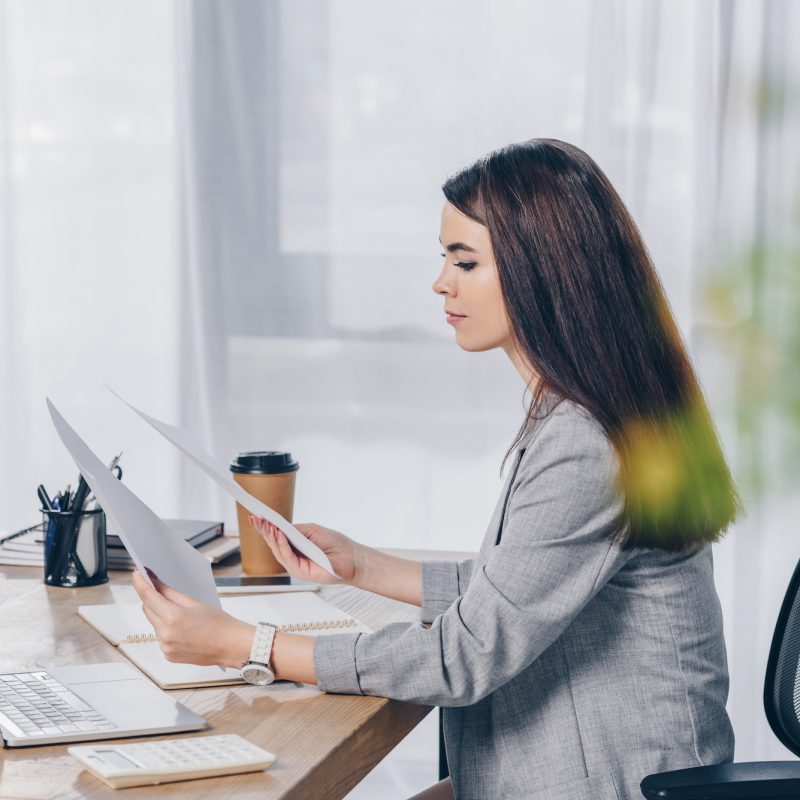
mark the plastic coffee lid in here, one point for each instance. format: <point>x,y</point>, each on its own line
<point>264,462</point>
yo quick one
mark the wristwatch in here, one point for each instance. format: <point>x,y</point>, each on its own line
<point>257,669</point>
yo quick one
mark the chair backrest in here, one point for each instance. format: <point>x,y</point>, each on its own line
<point>782,682</point>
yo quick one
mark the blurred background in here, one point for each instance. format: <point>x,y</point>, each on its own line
<point>228,211</point>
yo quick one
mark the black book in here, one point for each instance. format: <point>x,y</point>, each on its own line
<point>195,532</point>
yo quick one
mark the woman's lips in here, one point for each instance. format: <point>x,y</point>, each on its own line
<point>453,318</point>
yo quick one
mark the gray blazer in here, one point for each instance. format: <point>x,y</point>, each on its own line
<point>568,668</point>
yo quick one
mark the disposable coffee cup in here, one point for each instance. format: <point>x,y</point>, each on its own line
<point>268,475</point>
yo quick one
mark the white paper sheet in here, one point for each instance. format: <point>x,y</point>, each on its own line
<point>147,538</point>
<point>186,443</point>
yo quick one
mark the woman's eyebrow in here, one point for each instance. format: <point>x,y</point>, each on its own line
<point>451,248</point>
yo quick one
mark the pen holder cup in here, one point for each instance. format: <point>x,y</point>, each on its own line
<point>74,547</point>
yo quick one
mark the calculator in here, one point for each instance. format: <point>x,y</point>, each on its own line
<point>145,763</point>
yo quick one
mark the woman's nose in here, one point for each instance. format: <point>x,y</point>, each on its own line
<point>443,285</point>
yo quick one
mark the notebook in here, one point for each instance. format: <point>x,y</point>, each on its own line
<point>126,627</point>
<point>194,531</point>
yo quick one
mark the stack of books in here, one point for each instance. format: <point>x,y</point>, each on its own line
<point>26,547</point>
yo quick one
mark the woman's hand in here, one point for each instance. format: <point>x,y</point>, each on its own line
<point>354,563</point>
<point>343,553</point>
<point>190,632</point>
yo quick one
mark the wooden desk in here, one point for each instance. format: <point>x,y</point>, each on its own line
<point>325,743</point>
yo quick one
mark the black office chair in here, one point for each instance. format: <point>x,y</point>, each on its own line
<point>759,779</point>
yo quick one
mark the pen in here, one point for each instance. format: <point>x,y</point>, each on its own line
<point>47,506</point>
<point>62,538</point>
<point>42,492</point>
<point>50,535</point>
<point>74,524</point>
<point>79,500</point>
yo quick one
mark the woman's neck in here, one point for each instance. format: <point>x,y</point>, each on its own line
<point>526,371</point>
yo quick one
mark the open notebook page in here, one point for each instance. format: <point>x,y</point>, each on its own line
<point>125,625</point>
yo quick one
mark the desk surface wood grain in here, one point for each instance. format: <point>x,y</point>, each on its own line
<point>325,743</point>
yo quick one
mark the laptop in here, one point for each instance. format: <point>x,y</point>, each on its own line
<point>86,703</point>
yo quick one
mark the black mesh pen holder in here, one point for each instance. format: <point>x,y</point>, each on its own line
<point>75,547</point>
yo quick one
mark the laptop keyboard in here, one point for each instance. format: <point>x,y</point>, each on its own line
<point>36,704</point>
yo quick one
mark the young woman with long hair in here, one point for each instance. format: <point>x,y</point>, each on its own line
<point>582,648</point>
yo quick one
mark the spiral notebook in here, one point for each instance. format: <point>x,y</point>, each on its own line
<point>126,627</point>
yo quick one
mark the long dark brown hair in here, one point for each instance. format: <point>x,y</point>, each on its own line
<point>589,313</point>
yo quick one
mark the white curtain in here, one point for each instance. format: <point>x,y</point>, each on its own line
<point>229,212</point>
<point>88,277</point>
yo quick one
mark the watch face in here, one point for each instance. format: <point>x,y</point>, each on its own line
<point>259,674</point>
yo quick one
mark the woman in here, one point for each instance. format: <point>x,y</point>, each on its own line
<point>582,649</point>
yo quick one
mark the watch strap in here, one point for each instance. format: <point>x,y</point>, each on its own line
<point>262,643</point>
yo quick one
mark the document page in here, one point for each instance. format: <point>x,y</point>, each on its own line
<point>148,539</point>
<point>187,444</point>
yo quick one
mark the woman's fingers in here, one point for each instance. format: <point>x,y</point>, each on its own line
<point>281,549</point>
<point>154,620</point>
<point>269,536</point>
<point>151,597</point>
<point>288,556</point>
<point>279,544</point>
<point>261,525</point>
<point>284,554</point>
<point>267,531</point>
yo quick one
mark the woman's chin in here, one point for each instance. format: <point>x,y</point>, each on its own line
<point>474,345</point>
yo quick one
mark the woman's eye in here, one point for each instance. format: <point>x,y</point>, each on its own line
<point>465,265</point>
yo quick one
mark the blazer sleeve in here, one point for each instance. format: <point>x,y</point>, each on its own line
<point>556,552</point>
<point>442,583</point>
